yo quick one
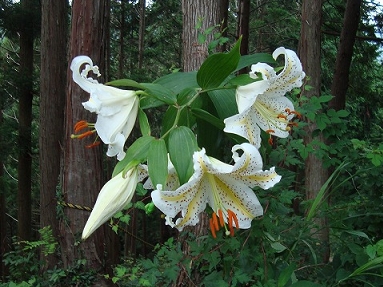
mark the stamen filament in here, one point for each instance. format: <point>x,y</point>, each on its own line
<point>86,134</point>
<point>96,143</point>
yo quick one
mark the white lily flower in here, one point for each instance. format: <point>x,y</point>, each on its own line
<point>113,197</point>
<point>262,104</point>
<point>116,108</point>
<point>226,188</point>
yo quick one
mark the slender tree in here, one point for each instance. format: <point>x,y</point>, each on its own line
<point>194,53</point>
<point>243,25</point>
<point>82,175</point>
<point>3,222</point>
<point>24,170</point>
<point>52,100</point>
<point>141,34</point>
<point>310,54</point>
<point>344,56</point>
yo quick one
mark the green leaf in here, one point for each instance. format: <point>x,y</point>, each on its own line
<point>372,264</point>
<point>147,102</point>
<point>248,60</point>
<point>161,93</point>
<point>125,83</point>
<point>135,154</point>
<point>224,102</point>
<point>217,67</point>
<point>358,233</point>
<point>242,80</point>
<point>181,145</point>
<point>204,115</point>
<point>343,113</point>
<point>322,192</point>
<point>325,99</point>
<point>158,162</point>
<point>285,275</point>
<point>178,81</point>
<point>185,119</point>
<point>144,123</point>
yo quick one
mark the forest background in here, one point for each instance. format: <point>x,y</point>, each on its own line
<point>322,225</point>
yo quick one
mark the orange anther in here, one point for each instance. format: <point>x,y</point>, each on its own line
<point>298,114</point>
<point>281,116</point>
<point>270,131</point>
<point>221,219</point>
<point>270,141</point>
<point>215,221</point>
<point>293,124</point>
<point>212,229</point>
<point>287,110</point>
<point>80,125</point>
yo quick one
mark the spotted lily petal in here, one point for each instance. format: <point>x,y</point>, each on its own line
<point>245,125</point>
<point>116,108</point>
<point>113,197</point>
<point>248,168</point>
<point>246,95</point>
<point>225,188</point>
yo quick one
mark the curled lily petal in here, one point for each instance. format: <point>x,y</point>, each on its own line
<point>248,168</point>
<point>113,197</point>
<point>116,108</point>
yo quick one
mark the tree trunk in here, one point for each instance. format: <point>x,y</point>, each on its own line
<point>52,103</point>
<point>224,12</point>
<point>83,173</point>
<point>194,54</point>
<point>121,42</point>
<point>243,28</point>
<point>4,244</point>
<point>344,56</point>
<point>309,52</point>
<point>141,34</point>
<point>24,169</point>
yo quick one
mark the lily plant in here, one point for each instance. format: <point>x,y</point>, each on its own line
<point>185,166</point>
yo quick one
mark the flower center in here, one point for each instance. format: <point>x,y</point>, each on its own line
<point>81,125</point>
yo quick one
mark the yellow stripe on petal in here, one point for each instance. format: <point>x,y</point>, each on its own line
<point>232,197</point>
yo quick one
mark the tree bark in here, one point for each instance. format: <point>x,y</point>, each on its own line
<point>344,56</point>
<point>243,28</point>
<point>24,169</point>
<point>141,34</point>
<point>4,244</point>
<point>83,173</point>
<point>194,53</point>
<point>310,54</point>
<point>121,41</point>
<point>52,100</point>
